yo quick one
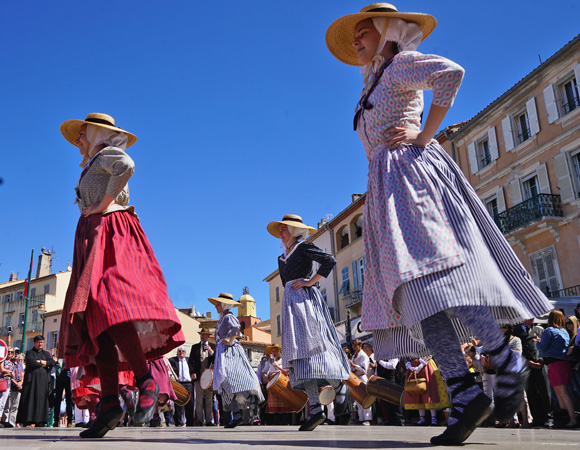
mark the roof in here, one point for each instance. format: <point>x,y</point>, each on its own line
<point>516,86</point>
<point>9,284</point>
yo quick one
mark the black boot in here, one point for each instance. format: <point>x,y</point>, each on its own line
<point>104,422</point>
<point>474,412</point>
<point>514,382</point>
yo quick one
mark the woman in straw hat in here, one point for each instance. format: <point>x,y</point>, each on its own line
<point>434,258</point>
<point>117,312</point>
<point>312,353</point>
<point>233,376</point>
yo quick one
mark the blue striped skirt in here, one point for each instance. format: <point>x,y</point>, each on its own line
<point>464,261</point>
<point>310,346</point>
<point>233,374</point>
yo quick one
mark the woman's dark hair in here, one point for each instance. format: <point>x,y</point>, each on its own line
<point>509,329</point>
<point>556,319</point>
<point>395,48</point>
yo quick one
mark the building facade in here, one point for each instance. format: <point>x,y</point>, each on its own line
<point>522,156</point>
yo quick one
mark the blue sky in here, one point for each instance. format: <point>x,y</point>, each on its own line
<point>241,112</point>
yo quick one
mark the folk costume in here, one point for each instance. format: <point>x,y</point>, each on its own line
<point>117,311</point>
<point>233,376</point>
<point>436,264</point>
<point>33,406</point>
<point>312,352</point>
<point>275,403</point>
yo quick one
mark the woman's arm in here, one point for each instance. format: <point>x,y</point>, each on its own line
<point>326,261</point>
<point>398,135</point>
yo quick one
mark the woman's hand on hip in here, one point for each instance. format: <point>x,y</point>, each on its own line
<point>98,208</point>
<point>299,284</point>
<point>395,137</point>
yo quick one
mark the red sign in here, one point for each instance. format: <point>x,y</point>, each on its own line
<point>3,350</point>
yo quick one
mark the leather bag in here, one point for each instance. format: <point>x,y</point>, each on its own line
<point>414,385</point>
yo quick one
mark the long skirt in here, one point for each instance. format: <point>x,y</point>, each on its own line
<point>430,245</point>
<point>234,377</point>
<point>115,279</point>
<point>436,396</point>
<point>310,347</point>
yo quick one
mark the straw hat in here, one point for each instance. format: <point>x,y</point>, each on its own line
<point>204,330</point>
<point>226,299</point>
<point>269,349</point>
<point>340,34</point>
<point>291,220</point>
<point>70,129</point>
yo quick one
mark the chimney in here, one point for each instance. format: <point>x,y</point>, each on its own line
<point>13,276</point>
<point>208,314</point>
<point>44,263</point>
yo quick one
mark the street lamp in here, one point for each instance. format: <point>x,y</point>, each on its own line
<point>39,303</point>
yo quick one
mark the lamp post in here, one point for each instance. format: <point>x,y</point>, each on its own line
<point>27,303</point>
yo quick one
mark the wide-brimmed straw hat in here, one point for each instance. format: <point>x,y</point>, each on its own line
<point>291,220</point>
<point>269,348</point>
<point>340,34</point>
<point>226,299</point>
<point>70,129</point>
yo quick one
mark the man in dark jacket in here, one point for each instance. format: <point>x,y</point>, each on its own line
<point>180,366</point>
<point>538,390</point>
<point>201,357</point>
<point>33,407</point>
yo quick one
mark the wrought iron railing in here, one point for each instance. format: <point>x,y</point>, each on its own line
<point>353,297</point>
<point>34,326</point>
<point>566,292</point>
<point>541,205</point>
<point>571,105</point>
<point>523,136</point>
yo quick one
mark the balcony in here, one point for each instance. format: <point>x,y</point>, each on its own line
<point>353,298</point>
<point>537,208</point>
<point>566,292</point>
<point>34,327</point>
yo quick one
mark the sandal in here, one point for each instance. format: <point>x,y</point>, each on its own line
<point>474,412</point>
<point>507,405</point>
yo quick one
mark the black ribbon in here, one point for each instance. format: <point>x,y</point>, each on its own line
<point>101,121</point>
<point>364,102</point>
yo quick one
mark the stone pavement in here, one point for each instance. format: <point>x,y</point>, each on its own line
<point>280,438</point>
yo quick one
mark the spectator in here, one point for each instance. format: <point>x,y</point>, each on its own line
<point>359,365</point>
<point>368,349</point>
<point>63,386</point>
<point>181,367</point>
<point>201,358</point>
<point>515,344</point>
<point>387,369</point>
<point>572,324</point>
<point>577,311</point>
<point>6,374</point>
<point>33,408</point>
<point>553,347</point>
<point>13,363</point>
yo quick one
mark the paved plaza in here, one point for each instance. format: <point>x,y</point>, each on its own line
<point>280,438</point>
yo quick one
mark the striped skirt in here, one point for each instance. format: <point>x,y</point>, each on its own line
<point>115,279</point>
<point>233,376</point>
<point>431,245</point>
<point>310,346</point>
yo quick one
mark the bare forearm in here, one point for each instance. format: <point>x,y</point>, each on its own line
<point>433,122</point>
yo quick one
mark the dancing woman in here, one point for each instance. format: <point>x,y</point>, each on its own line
<point>435,263</point>
<point>312,353</point>
<point>117,313</point>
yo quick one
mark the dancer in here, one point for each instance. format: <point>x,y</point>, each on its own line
<point>117,312</point>
<point>233,376</point>
<point>312,353</point>
<point>435,263</point>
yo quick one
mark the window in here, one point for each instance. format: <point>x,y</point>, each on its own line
<point>52,339</point>
<point>277,294</point>
<point>483,154</point>
<point>21,320</point>
<point>358,270</point>
<point>483,151</point>
<point>46,288</point>
<point>344,287</point>
<point>344,237</point>
<point>358,227</point>
<point>575,157</point>
<point>278,325</point>
<point>545,270</point>
<point>8,320</point>
<point>570,97</point>
<point>6,298</point>
<point>19,295</point>
<point>522,126</point>
<point>530,185</point>
<point>491,205</point>
<point>567,165</point>
<point>33,292</point>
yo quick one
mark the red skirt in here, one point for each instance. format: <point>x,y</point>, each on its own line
<point>115,279</point>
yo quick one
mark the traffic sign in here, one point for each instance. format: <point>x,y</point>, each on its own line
<point>3,350</point>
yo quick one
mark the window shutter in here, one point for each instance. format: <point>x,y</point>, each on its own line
<point>472,157</point>
<point>551,106</point>
<point>533,116</point>
<point>355,275</point>
<point>508,135</point>
<point>500,199</point>
<point>492,144</point>
<point>564,178</point>
<point>516,191</point>
<point>543,179</point>
<point>577,75</point>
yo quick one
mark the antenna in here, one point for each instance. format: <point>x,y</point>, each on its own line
<point>540,58</point>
